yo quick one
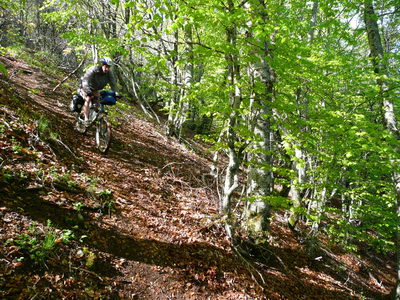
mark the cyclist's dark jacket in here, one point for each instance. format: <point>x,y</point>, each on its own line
<point>95,79</point>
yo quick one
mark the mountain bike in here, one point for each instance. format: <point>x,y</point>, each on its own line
<point>98,118</point>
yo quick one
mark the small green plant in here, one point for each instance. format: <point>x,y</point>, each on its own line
<point>37,245</point>
<point>3,69</point>
<point>6,175</point>
<point>16,146</point>
<point>67,179</point>
<point>91,184</point>
<point>3,51</point>
<point>78,206</point>
<point>107,200</point>
<point>34,91</point>
<point>105,195</point>
<point>64,179</point>
<point>66,236</point>
<point>90,257</point>
<point>13,176</point>
<point>45,131</point>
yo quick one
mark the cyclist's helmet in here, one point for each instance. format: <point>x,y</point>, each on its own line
<point>106,61</point>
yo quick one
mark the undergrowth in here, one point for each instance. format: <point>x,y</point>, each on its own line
<point>40,243</point>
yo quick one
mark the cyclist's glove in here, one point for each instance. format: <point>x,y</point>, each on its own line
<point>118,95</point>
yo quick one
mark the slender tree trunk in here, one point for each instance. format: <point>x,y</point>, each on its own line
<point>313,19</point>
<point>177,109</point>
<point>318,207</point>
<point>114,15</point>
<point>295,188</point>
<point>92,30</point>
<point>389,117</point>
<point>23,19</point>
<point>231,181</point>
<point>298,165</point>
<point>39,37</point>
<point>231,176</point>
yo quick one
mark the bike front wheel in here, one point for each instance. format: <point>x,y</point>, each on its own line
<point>103,135</point>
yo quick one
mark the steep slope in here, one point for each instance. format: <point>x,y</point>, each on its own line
<point>141,216</point>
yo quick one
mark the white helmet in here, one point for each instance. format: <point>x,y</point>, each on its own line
<point>107,61</point>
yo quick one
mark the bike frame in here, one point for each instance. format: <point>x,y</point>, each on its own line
<point>103,127</point>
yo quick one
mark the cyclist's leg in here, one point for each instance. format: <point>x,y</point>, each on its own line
<point>86,105</point>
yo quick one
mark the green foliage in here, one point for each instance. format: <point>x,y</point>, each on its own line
<point>44,60</point>
<point>3,70</point>
<point>39,245</point>
<point>45,131</point>
<point>78,206</point>
<point>11,176</point>
<point>66,179</point>
<point>106,199</point>
<point>118,113</point>
<point>103,196</point>
<point>276,202</point>
<point>7,4</point>
<point>6,175</point>
<point>16,146</point>
<point>90,257</point>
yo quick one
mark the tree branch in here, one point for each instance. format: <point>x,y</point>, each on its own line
<point>70,74</point>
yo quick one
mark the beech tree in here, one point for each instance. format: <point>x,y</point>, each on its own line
<point>260,175</point>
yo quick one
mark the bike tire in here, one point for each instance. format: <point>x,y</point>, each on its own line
<point>103,135</point>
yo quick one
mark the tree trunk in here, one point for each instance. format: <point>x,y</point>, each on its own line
<point>231,181</point>
<point>298,165</point>
<point>295,187</point>
<point>260,180</point>
<point>177,109</point>
<point>260,176</point>
<point>231,176</point>
<point>389,117</point>
<point>313,19</point>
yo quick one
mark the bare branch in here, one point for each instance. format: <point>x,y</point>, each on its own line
<point>72,73</point>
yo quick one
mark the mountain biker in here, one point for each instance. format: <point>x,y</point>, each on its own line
<point>95,79</point>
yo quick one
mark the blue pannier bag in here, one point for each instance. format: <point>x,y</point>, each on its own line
<point>108,97</point>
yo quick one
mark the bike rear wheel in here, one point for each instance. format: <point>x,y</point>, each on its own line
<point>103,135</point>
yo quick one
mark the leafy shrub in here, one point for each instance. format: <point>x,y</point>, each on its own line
<point>38,245</point>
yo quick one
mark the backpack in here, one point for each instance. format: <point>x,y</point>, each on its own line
<point>76,103</point>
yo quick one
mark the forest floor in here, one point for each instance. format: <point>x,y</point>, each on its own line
<point>140,222</point>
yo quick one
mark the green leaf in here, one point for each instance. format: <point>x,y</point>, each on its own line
<point>3,70</point>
